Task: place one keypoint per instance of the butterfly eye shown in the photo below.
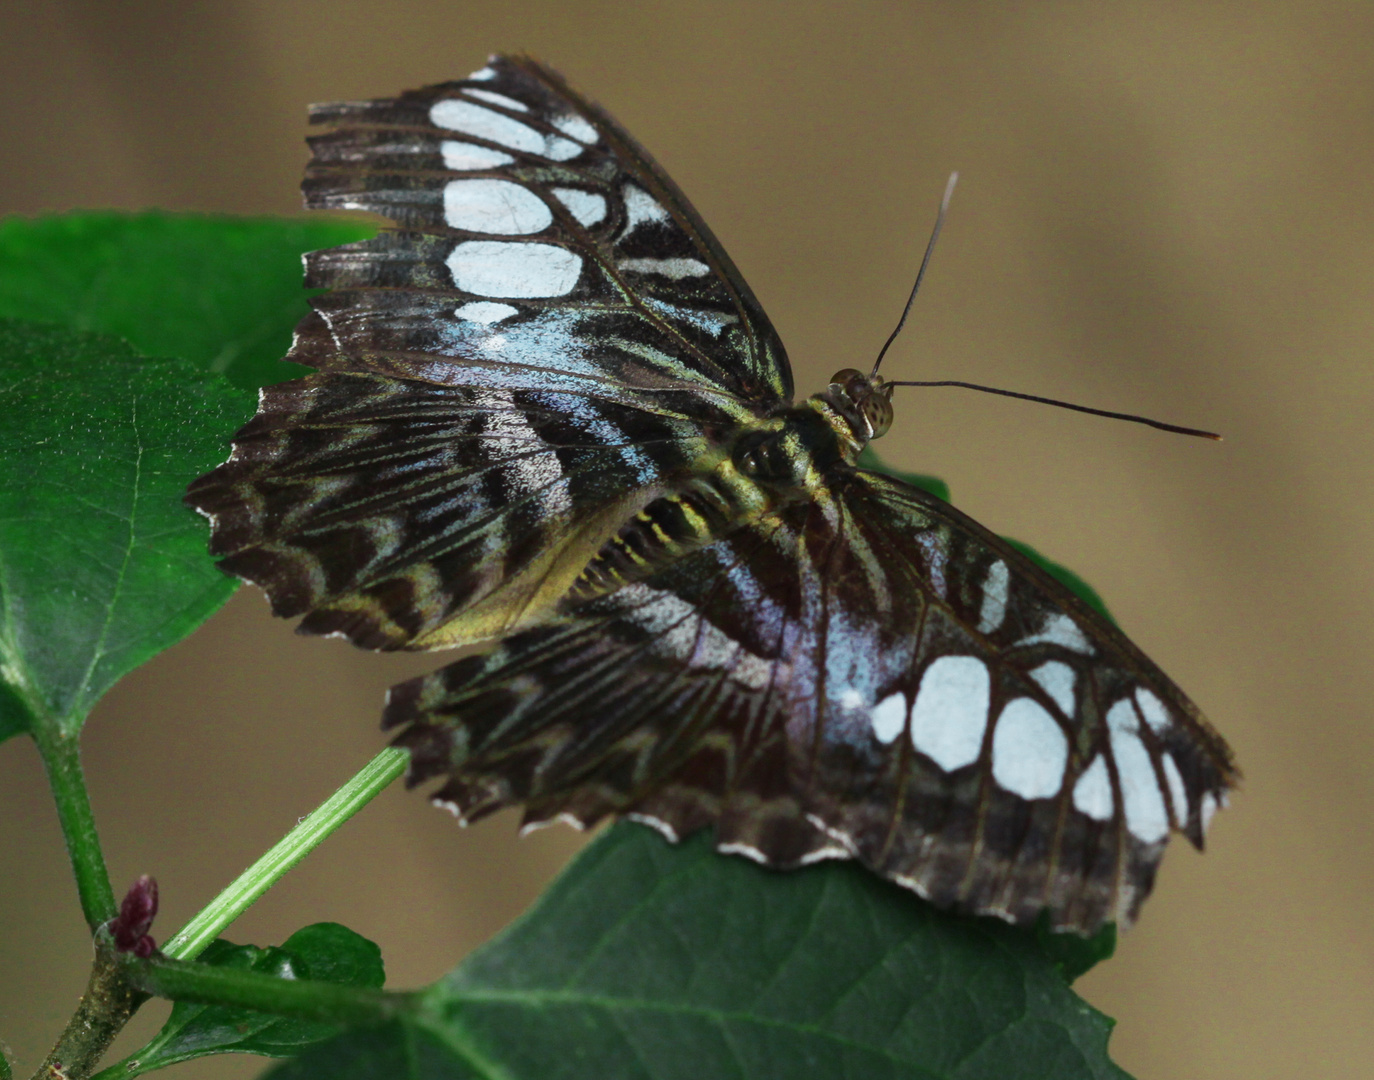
(877, 407)
(859, 396)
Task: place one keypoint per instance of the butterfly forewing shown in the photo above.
(533, 206)
(548, 410)
(537, 352)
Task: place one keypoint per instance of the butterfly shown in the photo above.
(548, 413)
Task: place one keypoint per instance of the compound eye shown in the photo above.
(878, 412)
(845, 376)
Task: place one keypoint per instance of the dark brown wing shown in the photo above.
(870, 675)
(549, 338)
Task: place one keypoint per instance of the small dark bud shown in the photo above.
(136, 913)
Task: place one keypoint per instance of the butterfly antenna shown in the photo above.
(1159, 424)
(930, 247)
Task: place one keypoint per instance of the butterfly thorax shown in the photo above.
(783, 458)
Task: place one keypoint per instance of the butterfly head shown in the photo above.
(863, 402)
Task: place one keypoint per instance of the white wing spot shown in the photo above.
(1146, 815)
(586, 206)
(674, 269)
(1060, 629)
(1092, 795)
(494, 206)
(1121, 717)
(481, 123)
(1056, 678)
(1178, 791)
(498, 99)
(1207, 808)
(519, 271)
(889, 717)
(1156, 715)
(950, 714)
(482, 75)
(575, 127)
(640, 207)
(464, 156)
(485, 312)
(560, 149)
(1029, 750)
(994, 608)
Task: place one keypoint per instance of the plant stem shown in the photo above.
(308, 999)
(369, 782)
(61, 753)
(116, 991)
(106, 1006)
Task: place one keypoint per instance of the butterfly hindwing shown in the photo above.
(381, 507)
(538, 350)
(1034, 756)
(869, 675)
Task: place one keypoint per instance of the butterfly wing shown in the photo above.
(548, 339)
(871, 675)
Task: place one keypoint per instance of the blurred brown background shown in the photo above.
(1165, 208)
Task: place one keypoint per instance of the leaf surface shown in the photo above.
(325, 951)
(650, 961)
(101, 566)
(222, 291)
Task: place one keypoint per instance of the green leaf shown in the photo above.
(651, 961)
(325, 951)
(101, 566)
(1074, 955)
(14, 713)
(224, 292)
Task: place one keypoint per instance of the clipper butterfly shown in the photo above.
(548, 413)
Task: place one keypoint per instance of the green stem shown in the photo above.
(61, 753)
(374, 777)
(308, 999)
